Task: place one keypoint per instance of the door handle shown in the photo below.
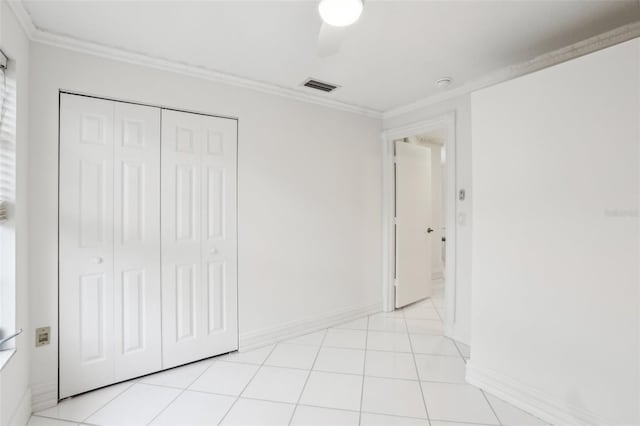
(96, 260)
(429, 230)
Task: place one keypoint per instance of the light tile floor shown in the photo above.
(388, 369)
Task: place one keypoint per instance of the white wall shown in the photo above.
(15, 400)
(555, 239)
(461, 106)
(309, 195)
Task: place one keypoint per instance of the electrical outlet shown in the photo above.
(43, 336)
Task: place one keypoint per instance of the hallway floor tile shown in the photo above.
(386, 369)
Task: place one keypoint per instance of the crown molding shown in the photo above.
(592, 44)
(70, 43)
(23, 17)
(581, 48)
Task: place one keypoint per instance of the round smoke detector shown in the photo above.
(444, 82)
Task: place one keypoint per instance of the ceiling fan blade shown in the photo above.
(330, 39)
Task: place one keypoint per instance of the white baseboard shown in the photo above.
(43, 396)
(457, 333)
(270, 335)
(448, 330)
(23, 411)
(547, 407)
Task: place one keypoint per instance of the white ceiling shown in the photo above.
(390, 57)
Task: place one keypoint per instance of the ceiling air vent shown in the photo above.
(319, 85)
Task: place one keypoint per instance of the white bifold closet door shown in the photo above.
(148, 244)
(109, 294)
(199, 242)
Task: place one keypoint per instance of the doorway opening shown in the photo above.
(419, 211)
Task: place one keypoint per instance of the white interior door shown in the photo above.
(109, 242)
(413, 223)
(199, 241)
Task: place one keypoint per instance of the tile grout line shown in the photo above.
(437, 311)
(256, 399)
(245, 386)
(180, 393)
(315, 359)
(59, 420)
(364, 370)
(404, 379)
(415, 364)
(282, 403)
(491, 406)
(131, 382)
(302, 405)
(455, 343)
(373, 350)
(460, 422)
(458, 351)
(286, 403)
(319, 348)
(106, 403)
(457, 346)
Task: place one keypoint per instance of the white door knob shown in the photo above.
(213, 251)
(96, 260)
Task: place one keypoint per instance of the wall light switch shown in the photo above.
(43, 336)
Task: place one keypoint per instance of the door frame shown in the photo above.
(447, 121)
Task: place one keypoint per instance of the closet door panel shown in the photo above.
(219, 236)
(181, 259)
(109, 242)
(198, 237)
(137, 241)
(86, 196)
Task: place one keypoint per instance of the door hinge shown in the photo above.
(395, 220)
(395, 282)
(395, 159)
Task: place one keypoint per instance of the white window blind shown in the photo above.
(7, 202)
(7, 138)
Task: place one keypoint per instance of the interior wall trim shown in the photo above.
(547, 407)
(584, 47)
(581, 48)
(23, 411)
(448, 122)
(70, 43)
(270, 335)
(43, 396)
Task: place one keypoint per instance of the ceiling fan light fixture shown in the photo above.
(340, 13)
